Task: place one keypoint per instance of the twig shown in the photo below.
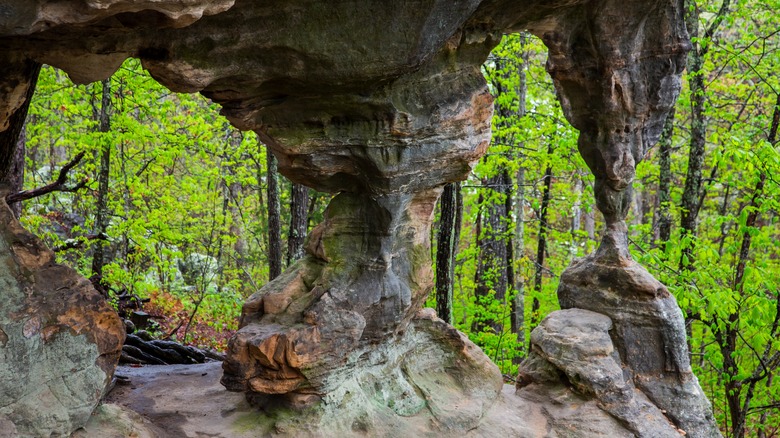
(56, 186)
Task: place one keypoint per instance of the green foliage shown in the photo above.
(186, 190)
(739, 68)
(530, 142)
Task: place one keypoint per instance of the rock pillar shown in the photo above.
(618, 74)
(344, 328)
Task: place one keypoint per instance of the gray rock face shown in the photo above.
(572, 348)
(344, 327)
(648, 333)
(383, 102)
(59, 340)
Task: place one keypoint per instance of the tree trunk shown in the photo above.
(576, 214)
(101, 213)
(665, 179)
(517, 316)
(16, 172)
(541, 246)
(737, 409)
(13, 141)
(692, 191)
(491, 275)
(693, 178)
(446, 249)
(274, 219)
(518, 253)
(298, 222)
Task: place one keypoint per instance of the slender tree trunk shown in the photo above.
(491, 272)
(576, 214)
(665, 179)
(262, 210)
(693, 178)
(541, 246)
(274, 219)
(737, 409)
(298, 222)
(692, 192)
(457, 228)
(16, 172)
(13, 140)
(590, 224)
(446, 248)
(101, 213)
(761, 433)
(638, 209)
(518, 303)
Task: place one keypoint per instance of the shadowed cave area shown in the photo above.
(381, 103)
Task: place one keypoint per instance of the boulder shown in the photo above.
(59, 340)
(648, 334)
(574, 362)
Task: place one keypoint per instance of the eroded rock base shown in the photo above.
(430, 371)
(341, 337)
(648, 334)
(618, 346)
(573, 362)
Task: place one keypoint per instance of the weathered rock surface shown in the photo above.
(572, 355)
(617, 88)
(188, 401)
(24, 18)
(648, 333)
(59, 340)
(349, 304)
(383, 102)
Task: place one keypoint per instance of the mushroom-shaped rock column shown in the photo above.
(345, 325)
(618, 74)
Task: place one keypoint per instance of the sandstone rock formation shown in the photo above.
(383, 103)
(616, 89)
(59, 340)
(190, 402)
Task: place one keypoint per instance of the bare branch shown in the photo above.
(56, 186)
(79, 241)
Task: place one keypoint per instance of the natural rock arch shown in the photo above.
(383, 103)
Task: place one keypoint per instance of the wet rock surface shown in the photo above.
(59, 340)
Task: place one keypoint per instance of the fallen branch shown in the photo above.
(79, 242)
(56, 186)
